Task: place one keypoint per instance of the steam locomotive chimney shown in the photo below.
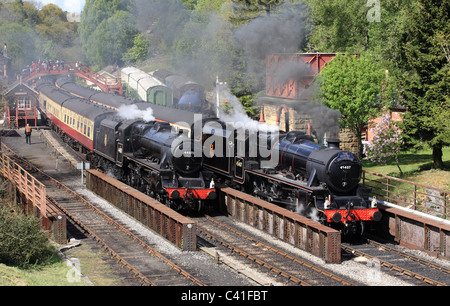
(333, 143)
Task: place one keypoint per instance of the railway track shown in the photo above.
(145, 263)
(399, 263)
(285, 268)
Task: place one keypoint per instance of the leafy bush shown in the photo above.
(23, 243)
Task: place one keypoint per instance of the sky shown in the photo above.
(71, 6)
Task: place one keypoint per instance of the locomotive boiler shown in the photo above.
(339, 171)
(165, 147)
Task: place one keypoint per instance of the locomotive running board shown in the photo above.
(287, 181)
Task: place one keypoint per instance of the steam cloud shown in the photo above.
(281, 31)
(129, 112)
(325, 121)
(237, 114)
(275, 33)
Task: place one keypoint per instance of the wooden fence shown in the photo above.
(33, 190)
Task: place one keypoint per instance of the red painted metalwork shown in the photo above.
(359, 214)
(82, 139)
(82, 72)
(194, 193)
(33, 198)
(261, 116)
(290, 75)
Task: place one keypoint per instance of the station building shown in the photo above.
(20, 105)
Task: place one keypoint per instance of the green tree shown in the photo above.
(352, 85)
(22, 44)
(189, 4)
(385, 37)
(32, 34)
(139, 51)
(110, 40)
(54, 25)
(427, 77)
(247, 10)
(95, 14)
(338, 25)
(210, 5)
(22, 241)
(359, 26)
(25, 12)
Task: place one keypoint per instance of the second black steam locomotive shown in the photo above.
(293, 171)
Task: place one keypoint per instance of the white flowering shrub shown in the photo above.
(386, 143)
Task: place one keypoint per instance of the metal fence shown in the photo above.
(427, 199)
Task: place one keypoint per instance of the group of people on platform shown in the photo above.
(48, 65)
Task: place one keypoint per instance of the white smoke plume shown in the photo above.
(129, 112)
(235, 113)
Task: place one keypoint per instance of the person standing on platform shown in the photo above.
(28, 133)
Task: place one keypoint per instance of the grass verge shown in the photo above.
(417, 167)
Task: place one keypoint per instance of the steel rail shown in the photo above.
(253, 258)
(282, 253)
(113, 253)
(393, 267)
(409, 256)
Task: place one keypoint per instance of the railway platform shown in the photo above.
(39, 151)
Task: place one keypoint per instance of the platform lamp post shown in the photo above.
(83, 166)
(218, 87)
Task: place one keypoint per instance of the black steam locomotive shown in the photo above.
(293, 171)
(146, 155)
(153, 159)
